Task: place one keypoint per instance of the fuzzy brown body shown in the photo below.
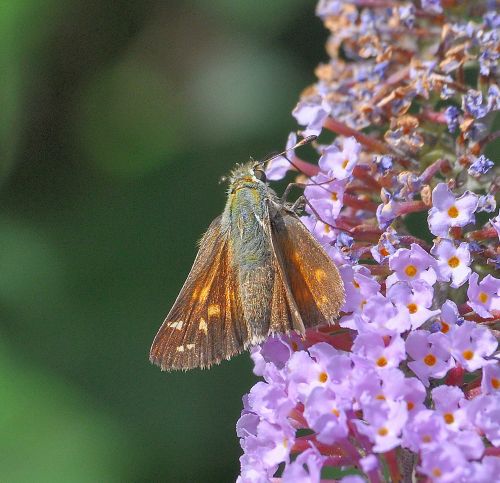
(258, 271)
(244, 219)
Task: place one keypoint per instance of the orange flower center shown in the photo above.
(448, 418)
(344, 164)
(410, 405)
(381, 361)
(436, 472)
(453, 211)
(411, 270)
(430, 359)
(444, 327)
(336, 412)
(483, 297)
(383, 431)
(468, 354)
(323, 377)
(334, 196)
(412, 308)
(426, 438)
(453, 262)
(383, 251)
(495, 383)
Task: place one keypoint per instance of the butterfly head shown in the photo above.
(248, 175)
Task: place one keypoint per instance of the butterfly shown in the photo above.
(258, 272)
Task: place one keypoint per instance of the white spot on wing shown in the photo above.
(176, 324)
(180, 348)
(203, 326)
(190, 346)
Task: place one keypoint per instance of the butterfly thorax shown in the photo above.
(246, 216)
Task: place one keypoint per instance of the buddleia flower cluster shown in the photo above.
(406, 385)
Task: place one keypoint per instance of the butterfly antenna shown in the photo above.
(302, 142)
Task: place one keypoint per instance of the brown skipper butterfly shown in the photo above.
(258, 272)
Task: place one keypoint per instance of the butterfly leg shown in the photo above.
(289, 188)
(300, 185)
(299, 203)
(303, 200)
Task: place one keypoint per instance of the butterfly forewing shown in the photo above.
(205, 324)
(313, 278)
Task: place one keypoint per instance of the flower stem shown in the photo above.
(370, 143)
(393, 466)
(483, 234)
(431, 170)
(304, 167)
(359, 203)
(405, 207)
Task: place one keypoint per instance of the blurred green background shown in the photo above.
(118, 119)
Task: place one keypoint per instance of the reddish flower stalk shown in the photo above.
(433, 169)
(301, 444)
(360, 172)
(433, 116)
(378, 270)
(405, 207)
(334, 461)
(488, 139)
(472, 387)
(370, 143)
(339, 341)
(363, 441)
(455, 376)
(474, 392)
(391, 81)
(464, 309)
(476, 318)
(296, 415)
(492, 451)
(345, 223)
(343, 449)
(366, 233)
(360, 204)
(409, 239)
(304, 167)
(459, 86)
(358, 188)
(483, 234)
(392, 465)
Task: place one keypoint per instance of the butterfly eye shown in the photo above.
(260, 174)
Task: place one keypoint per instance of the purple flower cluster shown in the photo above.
(378, 395)
(407, 381)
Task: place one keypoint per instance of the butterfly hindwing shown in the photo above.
(205, 325)
(314, 280)
(284, 312)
